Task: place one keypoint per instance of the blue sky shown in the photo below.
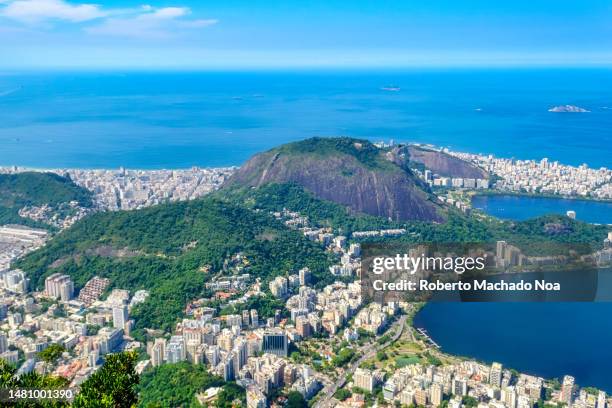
(188, 34)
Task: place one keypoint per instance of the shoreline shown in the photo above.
(23, 169)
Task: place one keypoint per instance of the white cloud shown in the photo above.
(150, 23)
(167, 12)
(143, 22)
(32, 11)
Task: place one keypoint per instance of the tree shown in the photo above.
(342, 394)
(380, 398)
(31, 380)
(112, 386)
(296, 400)
(343, 357)
(175, 385)
(51, 353)
(229, 393)
(381, 355)
(469, 401)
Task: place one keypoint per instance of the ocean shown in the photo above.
(182, 119)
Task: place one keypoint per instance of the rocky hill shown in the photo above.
(444, 164)
(351, 172)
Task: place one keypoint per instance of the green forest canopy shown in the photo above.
(36, 189)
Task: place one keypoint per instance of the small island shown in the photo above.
(568, 108)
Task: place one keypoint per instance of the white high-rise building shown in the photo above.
(175, 351)
(120, 316)
(436, 395)
(459, 387)
(59, 286)
(567, 390)
(601, 400)
(304, 274)
(364, 379)
(16, 281)
(240, 354)
(3, 343)
(255, 398)
(158, 352)
(509, 397)
(279, 287)
(495, 375)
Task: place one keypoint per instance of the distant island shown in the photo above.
(568, 108)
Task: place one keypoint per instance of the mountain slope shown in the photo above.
(36, 189)
(351, 172)
(172, 250)
(444, 164)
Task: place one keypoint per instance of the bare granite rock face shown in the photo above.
(445, 164)
(346, 171)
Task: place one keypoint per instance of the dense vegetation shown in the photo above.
(51, 353)
(114, 385)
(296, 400)
(344, 356)
(231, 395)
(33, 380)
(276, 197)
(363, 150)
(167, 250)
(537, 235)
(175, 385)
(36, 189)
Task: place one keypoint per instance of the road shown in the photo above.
(328, 393)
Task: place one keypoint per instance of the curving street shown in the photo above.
(367, 352)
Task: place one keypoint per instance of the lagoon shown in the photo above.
(516, 207)
(543, 339)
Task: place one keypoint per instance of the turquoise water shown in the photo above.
(157, 120)
(513, 207)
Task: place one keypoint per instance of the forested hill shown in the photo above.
(171, 250)
(36, 189)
